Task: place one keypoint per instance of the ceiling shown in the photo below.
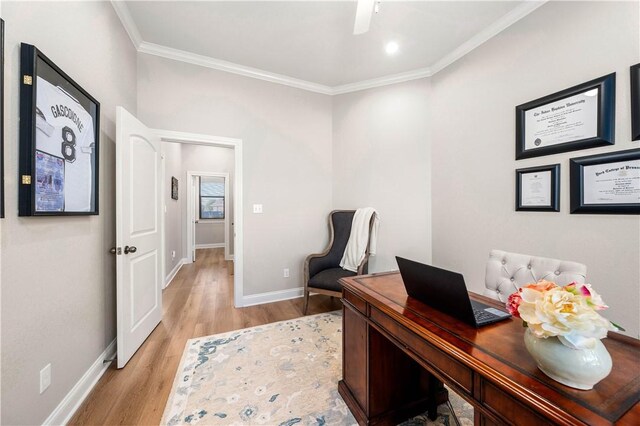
(312, 43)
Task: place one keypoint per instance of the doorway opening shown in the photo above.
(232, 211)
(209, 218)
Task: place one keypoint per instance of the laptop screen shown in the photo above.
(441, 289)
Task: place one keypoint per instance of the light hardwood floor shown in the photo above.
(198, 302)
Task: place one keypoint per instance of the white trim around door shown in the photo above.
(237, 235)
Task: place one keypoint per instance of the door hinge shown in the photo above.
(28, 80)
(26, 179)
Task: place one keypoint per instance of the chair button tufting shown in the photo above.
(557, 272)
(512, 279)
(528, 266)
(504, 262)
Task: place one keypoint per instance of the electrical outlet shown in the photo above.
(257, 208)
(173, 254)
(286, 272)
(45, 378)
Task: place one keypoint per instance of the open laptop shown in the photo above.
(445, 291)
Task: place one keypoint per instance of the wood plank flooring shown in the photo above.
(198, 302)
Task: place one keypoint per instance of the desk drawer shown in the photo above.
(511, 410)
(356, 301)
(457, 372)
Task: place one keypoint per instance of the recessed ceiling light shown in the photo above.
(391, 47)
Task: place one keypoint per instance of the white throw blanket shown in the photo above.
(357, 245)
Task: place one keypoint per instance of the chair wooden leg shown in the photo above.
(306, 301)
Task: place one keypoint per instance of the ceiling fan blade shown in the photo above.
(363, 16)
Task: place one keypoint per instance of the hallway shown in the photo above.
(198, 302)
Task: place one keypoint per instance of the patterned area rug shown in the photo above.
(285, 373)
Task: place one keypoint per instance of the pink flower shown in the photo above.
(593, 299)
(513, 302)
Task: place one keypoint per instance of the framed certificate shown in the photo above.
(538, 189)
(59, 141)
(606, 183)
(635, 102)
(580, 117)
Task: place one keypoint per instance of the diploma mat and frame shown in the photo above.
(59, 141)
(538, 189)
(606, 183)
(579, 117)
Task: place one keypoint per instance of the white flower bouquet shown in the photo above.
(568, 312)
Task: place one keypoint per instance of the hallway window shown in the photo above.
(211, 198)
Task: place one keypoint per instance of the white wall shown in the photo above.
(58, 279)
(286, 136)
(558, 46)
(176, 213)
(209, 232)
(381, 159)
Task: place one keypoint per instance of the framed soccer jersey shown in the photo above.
(59, 141)
(1, 118)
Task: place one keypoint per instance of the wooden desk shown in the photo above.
(397, 351)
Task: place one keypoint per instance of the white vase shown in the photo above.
(577, 368)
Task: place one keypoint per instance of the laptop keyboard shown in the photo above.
(482, 315)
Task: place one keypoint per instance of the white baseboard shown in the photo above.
(174, 272)
(272, 296)
(204, 246)
(68, 406)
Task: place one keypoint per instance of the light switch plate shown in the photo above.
(257, 208)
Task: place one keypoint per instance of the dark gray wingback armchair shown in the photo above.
(322, 271)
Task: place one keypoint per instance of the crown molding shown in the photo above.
(489, 32)
(217, 64)
(382, 81)
(127, 22)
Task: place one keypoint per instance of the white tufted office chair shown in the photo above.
(506, 272)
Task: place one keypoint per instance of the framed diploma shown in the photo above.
(59, 141)
(635, 102)
(606, 183)
(579, 117)
(538, 189)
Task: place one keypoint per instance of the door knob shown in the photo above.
(131, 249)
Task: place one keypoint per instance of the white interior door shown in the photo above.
(138, 234)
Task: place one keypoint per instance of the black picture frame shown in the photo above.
(635, 102)
(605, 134)
(174, 188)
(554, 189)
(577, 182)
(1, 118)
(59, 141)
